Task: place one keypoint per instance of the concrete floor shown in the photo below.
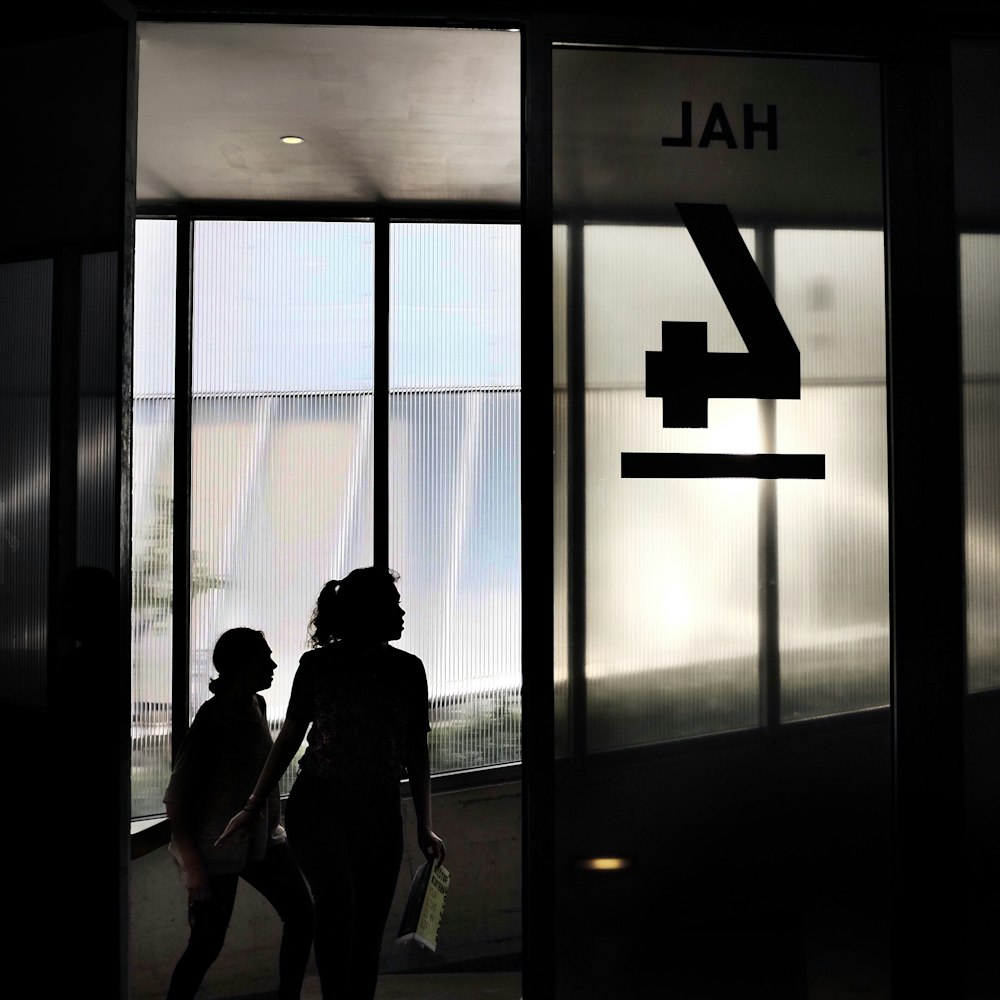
(438, 986)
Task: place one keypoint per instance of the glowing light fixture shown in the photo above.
(292, 140)
(604, 864)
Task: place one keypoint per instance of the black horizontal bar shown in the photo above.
(695, 465)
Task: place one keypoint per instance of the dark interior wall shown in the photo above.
(64, 74)
(64, 113)
(982, 860)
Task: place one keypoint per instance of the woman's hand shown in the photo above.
(237, 826)
(196, 882)
(431, 845)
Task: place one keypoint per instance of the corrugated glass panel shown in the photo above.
(454, 478)
(661, 660)
(153, 362)
(25, 456)
(975, 81)
(97, 447)
(560, 494)
(980, 291)
(281, 478)
(833, 534)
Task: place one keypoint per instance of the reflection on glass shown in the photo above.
(454, 479)
(97, 448)
(25, 456)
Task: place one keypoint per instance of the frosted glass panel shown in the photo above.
(684, 147)
(663, 556)
(25, 456)
(454, 480)
(152, 510)
(833, 534)
(980, 290)
(281, 469)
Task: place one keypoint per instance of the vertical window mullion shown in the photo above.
(180, 697)
(380, 396)
(576, 478)
(769, 651)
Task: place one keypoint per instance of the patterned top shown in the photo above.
(364, 704)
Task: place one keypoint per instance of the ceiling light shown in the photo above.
(292, 140)
(604, 864)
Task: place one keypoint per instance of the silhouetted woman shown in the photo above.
(215, 771)
(364, 704)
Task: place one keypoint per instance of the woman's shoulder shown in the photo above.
(208, 711)
(405, 660)
(312, 658)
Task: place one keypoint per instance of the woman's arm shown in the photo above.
(288, 741)
(418, 767)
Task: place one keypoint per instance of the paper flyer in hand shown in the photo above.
(425, 905)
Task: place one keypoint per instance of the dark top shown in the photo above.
(364, 705)
(215, 772)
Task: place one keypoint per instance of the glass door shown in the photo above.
(721, 523)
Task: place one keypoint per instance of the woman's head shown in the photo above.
(364, 605)
(242, 657)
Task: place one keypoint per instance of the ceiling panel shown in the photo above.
(388, 114)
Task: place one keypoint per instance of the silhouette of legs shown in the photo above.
(209, 921)
(349, 849)
(279, 881)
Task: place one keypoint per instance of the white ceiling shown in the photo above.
(389, 114)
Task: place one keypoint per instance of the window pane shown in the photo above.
(454, 479)
(663, 555)
(152, 510)
(281, 497)
(833, 534)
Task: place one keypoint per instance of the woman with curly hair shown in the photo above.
(364, 705)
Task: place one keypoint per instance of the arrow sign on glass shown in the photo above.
(685, 374)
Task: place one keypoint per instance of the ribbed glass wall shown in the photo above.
(152, 510)
(25, 396)
(979, 256)
(560, 494)
(833, 534)
(454, 479)
(281, 468)
(672, 633)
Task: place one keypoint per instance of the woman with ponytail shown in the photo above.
(216, 767)
(364, 705)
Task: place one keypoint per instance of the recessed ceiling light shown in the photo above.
(292, 140)
(604, 864)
